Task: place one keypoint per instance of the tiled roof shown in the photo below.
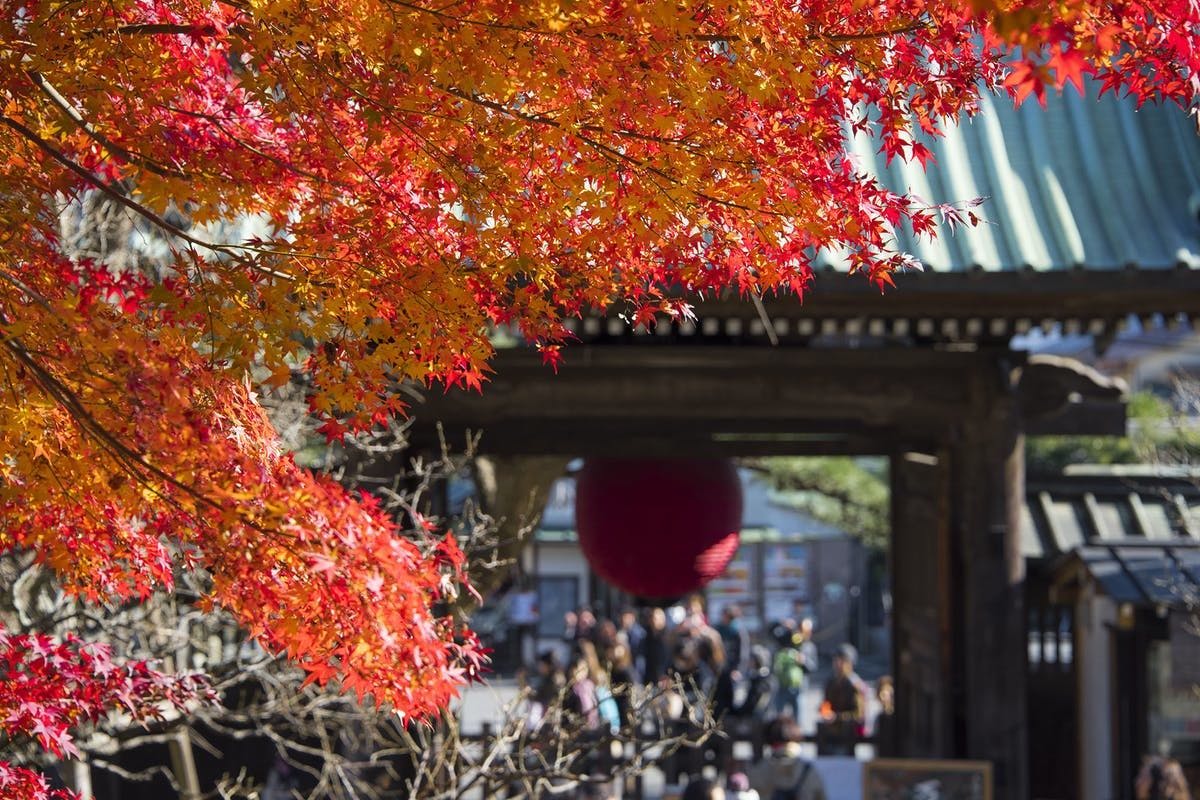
(1086, 183)
(1109, 507)
(1164, 575)
(1133, 531)
(1092, 215)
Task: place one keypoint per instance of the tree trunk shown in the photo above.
(513, 491)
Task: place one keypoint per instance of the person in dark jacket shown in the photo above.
(699, 788)
(758, 685)
(631, 631)
(623, 676)
(734, 636)
(719, 676)
(723, 692)
(885, 722)
(547, 691)
(656, 647)
(845, 705)
(786, 774)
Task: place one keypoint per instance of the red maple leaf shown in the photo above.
(1027, 78)
(923, 154)
(1069, 66)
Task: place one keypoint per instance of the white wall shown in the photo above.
(566, 558)
(1094, 665)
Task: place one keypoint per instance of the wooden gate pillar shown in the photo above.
(921, 603)
(988, 483)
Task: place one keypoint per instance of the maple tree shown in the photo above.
(407, 175)
(49, 687)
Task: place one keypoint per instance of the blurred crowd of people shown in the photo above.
(753, 689)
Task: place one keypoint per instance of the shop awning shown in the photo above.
(1144, 574)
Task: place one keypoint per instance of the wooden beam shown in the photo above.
(1059, 295)
(616, 439)
(721, 400)
(708, 397)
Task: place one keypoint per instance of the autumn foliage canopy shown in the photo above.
(405, 175)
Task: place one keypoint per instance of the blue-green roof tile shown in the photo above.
(1087, 182)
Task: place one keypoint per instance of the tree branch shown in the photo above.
(80, 122)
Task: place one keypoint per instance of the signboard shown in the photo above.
(785, 580)
(735, 586)
(919, 779)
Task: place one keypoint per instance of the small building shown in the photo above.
(1113, 556)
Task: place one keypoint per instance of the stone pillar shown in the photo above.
(988, 490)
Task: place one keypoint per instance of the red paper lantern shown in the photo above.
(658, 528)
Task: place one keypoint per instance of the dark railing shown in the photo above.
(717, 751)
